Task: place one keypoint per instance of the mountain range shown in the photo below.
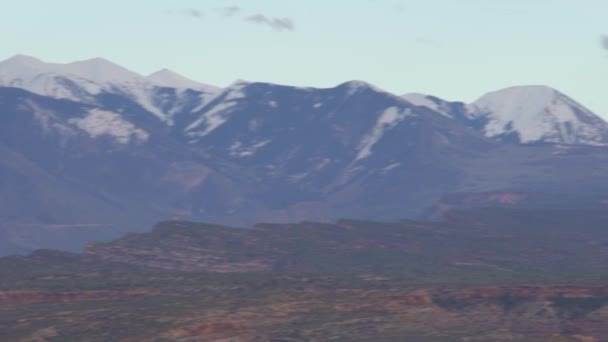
(90, 150)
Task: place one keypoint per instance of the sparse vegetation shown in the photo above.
(351, 281)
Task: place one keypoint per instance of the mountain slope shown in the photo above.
(85, 81)
(531, 114)
(524, 115)
(357, 151)
(42, 210)
(170, 79)
(311, 149)
(88, 165)
(264, 152)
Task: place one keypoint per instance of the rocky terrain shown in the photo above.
(311, 308)
(486, 275)
(507, 243)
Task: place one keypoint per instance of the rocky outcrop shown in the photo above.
(18, 297)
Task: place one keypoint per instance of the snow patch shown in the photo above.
(423, 100)
(99, 122)
(237, 149)
(322, 164)
(218, 115)
(390, 167)
(420, 100)
(298, 177)
(386, 121)
(254, 125)
(210, 120)
(353, 87)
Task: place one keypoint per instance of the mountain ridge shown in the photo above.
(524, 115)
(85, 81)
(519, 114)
(258, 151)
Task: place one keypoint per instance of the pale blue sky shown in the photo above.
(455, 49)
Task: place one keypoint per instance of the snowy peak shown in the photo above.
(97, 70)
(100, 70)
(518, 101)
(523, 115)
(418, 99)
(21, 60)
(171, 79)
(431, 102)
(83, 81)
(529, 114)
(22, 67)
(354, 87)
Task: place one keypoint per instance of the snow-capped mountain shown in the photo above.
(524, 115)
(171, 79)
(85, 81)
(92, 142)
(530, 114)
